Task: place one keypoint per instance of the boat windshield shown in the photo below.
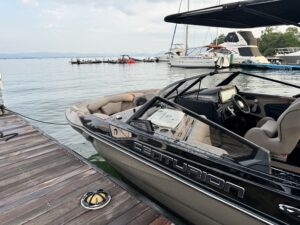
(246, 82)
(192, 84)
(176, 88)
(249, 51)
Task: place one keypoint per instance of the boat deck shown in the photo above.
(42, 181)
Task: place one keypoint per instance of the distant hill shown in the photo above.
(44, 55)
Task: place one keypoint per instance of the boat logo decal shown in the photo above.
(189, 170)
(117, 132)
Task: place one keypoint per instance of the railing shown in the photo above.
(285, 51)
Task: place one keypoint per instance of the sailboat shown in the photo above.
(175, 50)
(210, 56)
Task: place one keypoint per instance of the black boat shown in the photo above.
(216, 154)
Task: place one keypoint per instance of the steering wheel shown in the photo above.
(240, 103)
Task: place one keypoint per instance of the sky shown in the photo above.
(96, 26)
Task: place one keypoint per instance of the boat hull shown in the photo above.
(195, 205)
(270, 66)
(293, 60)
(192, 62)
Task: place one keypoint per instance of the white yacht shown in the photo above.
(290, 55)
(209, 56)
(176, 50)
(243, 46)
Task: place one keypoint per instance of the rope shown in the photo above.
(40, 121)
(8, 136)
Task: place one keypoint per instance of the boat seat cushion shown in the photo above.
(270, 128)
(200, 133)
(100, 103)
(279, 137)
(262, 121)
(111, 108)
(200, 136)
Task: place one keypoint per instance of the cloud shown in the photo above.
(30, 2)
(104, 26)
(50, 26)
(58, 14)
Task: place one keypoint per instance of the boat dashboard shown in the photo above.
(222, 105)
(215, 103)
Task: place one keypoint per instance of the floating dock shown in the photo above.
(42, 182)
(122, 60)
(269, 66)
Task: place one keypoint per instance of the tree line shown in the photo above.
(271, 39)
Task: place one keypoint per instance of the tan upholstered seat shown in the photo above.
(279, 137)
(112, 104)
(200, 135)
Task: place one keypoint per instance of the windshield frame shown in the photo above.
(174, 87)
(139, 113)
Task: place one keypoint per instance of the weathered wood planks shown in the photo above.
(41, 182)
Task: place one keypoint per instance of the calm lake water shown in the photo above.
(44, 88)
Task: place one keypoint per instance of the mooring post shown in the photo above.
(2, 110)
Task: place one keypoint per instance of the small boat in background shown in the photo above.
(246, 54)
(243, 46)
(126, 59)
(176, 50)
(290, 55)
(86, 61)
(210, 56)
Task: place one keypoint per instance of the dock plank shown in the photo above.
(21, 188)
(29, 163)
(38, 144)
(130, 215)
(145, 218)
(27, 155)
(21, 174)
(53, 195)
(161, 221)
(41, 182)
(60, 209)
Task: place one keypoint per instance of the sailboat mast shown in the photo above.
(187, 30)
(175, 29)
(218, 28)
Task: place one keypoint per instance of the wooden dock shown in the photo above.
(42, 182)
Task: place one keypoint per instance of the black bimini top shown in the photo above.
(243, 14)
